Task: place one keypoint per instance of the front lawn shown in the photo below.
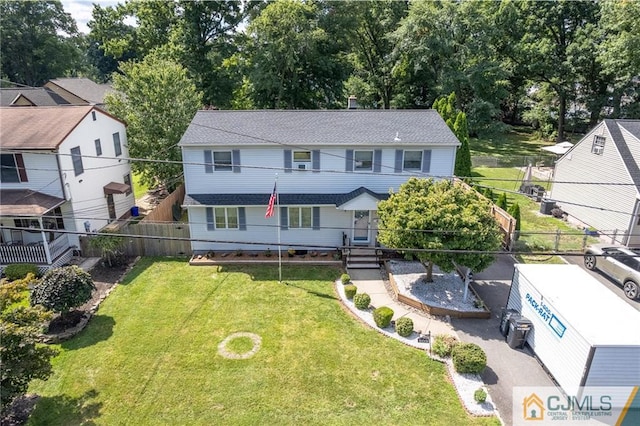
(150, 356)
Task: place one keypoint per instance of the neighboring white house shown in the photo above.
(598, 180)
(63, 168)
(333, 167)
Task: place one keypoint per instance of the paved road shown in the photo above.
(611, 285)
(506, 367)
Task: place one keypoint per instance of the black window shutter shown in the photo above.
(242, 219)
(315, 217)
(288, 159)
(315, 160)
(208, 161)
(210, 223)
(426, 160)
(22, 172)
(284, 218)
(348, 166)
(236, 160)
(377, 161)
(398, 164)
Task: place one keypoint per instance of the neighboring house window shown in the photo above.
(127, 181)
(93, 115)
(363, 160)
(98, 147)
(226, 217)
(26, 223)
(116, 144)
(222, 161)
(12, 168)
(598, 145)
(302, 159)
(53, 219)
(412, 160)
(78, 169)
(300, 217)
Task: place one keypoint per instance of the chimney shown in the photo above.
(352, 102)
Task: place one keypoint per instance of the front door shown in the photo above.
(361, 226)
(111, 206)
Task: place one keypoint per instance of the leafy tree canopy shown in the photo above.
(157, 100)
(62, 289)
(439, 216)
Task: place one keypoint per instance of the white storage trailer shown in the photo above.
(582, 332)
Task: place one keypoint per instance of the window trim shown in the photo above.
(304, 160)
(15, 169)
(76, 159)
(127, 181)
(300, 217)
(226, 218)
(404, 160)
(597, 146)
(222, 167)
(356, 168)
(117, 144)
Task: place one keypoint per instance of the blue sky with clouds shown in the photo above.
(80, 10)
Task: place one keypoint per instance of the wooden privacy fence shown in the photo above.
(164, 211)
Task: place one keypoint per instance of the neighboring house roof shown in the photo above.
(285, 199)
(41, 127)
(319, 127)
(633, 127)
(83, 88)
(37, 96)
(26, 202)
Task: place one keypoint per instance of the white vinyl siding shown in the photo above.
(615, 364)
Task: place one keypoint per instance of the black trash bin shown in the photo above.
(519, 328)
(504, 320)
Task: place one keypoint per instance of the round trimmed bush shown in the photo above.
(62, 289)
(350, 290)
(18, 271)
(404, 326)
(382, 316)
(443, 344)
(362, 300)
(469, 358)
(345, 278)
(480, 395)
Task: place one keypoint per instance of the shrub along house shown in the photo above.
(598, 180)
(64, 168)
(333, 167)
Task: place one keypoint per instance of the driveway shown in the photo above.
(506, 367)
(611, 285)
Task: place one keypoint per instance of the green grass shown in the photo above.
(139, 189)
(537, 232)
(516, 142)
(150, 356)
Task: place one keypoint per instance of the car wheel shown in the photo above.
(630, 289)
(590, 262)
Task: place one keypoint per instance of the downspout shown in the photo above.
(632, 224)
(60, 174)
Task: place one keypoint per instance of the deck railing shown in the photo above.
(33, 253)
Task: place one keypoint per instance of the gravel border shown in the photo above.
(464, 384)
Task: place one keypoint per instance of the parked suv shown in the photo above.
(622, 264)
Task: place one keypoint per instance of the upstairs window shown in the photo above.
(598, 145)
(412, 160)
(116, 144)
(98, 147)
(302, 160)
(363, 160)
(127, 181)
(12, 168)
(76, 157)
(222, 161)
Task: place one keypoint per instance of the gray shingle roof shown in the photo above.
(632, 126)
(37, 95)
(318, 127)
(285, 199)
(84, 88)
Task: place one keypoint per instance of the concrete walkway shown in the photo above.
(369, 281)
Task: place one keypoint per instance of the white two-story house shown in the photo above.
(65, 171)
(332, 166)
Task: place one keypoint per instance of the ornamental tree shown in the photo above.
(439, 222)
(62, 289)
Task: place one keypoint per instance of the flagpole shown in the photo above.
(278, 225)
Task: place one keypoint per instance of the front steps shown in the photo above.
(362, 258)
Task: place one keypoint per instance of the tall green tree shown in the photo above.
(157, 100)
(457, 122)
(293, 63)
(452, 224)
(39, 42)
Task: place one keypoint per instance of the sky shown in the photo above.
(80, 10)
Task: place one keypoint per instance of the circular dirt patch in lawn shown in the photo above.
(64, 322)
(241, 345)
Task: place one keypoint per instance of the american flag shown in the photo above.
(272, 202)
